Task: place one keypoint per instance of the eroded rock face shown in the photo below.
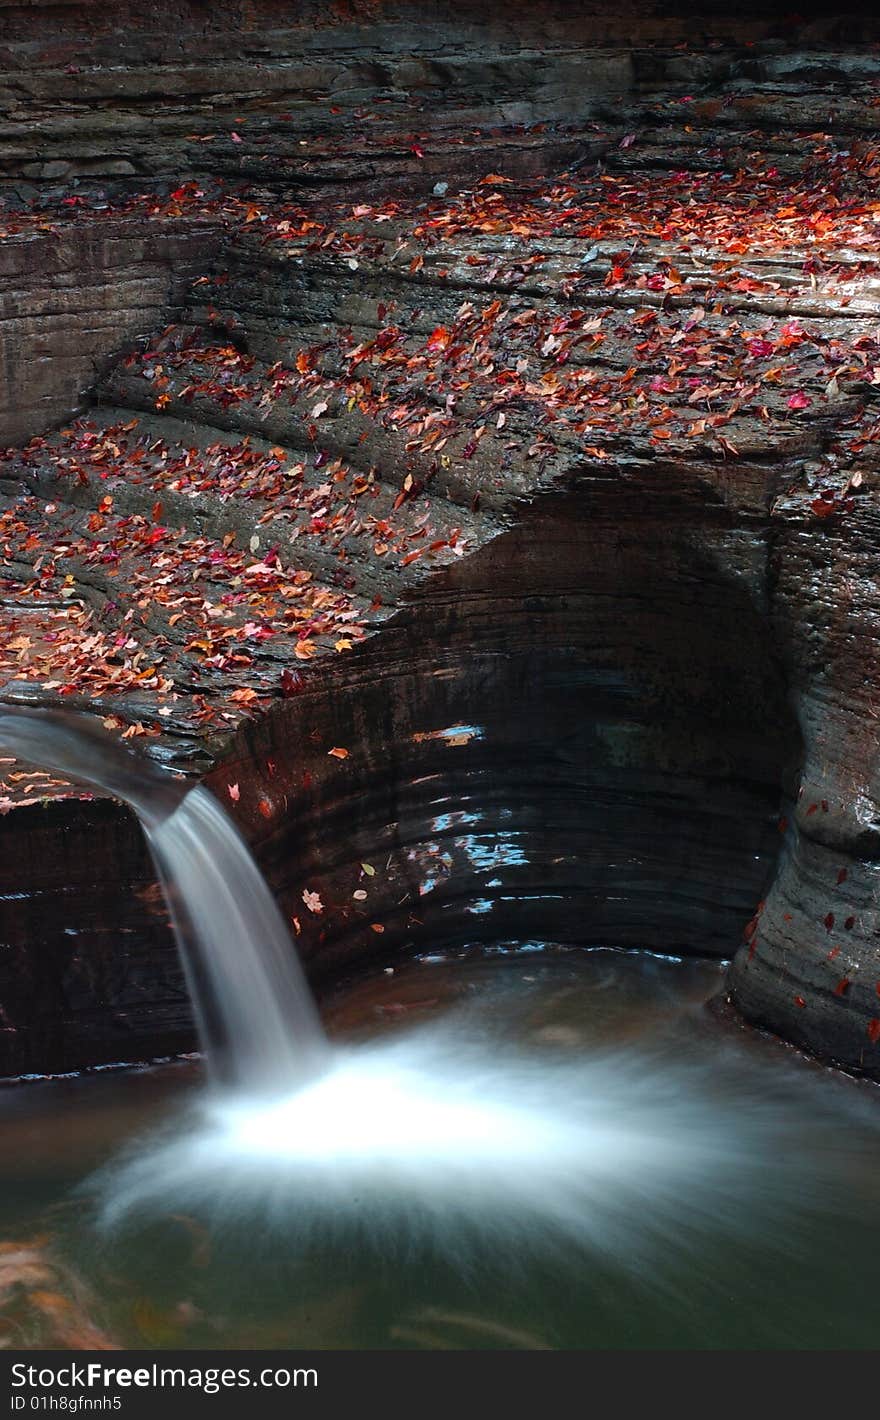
(811, 968)
(361, 95)
(69, 300)
(88, 969)
(597, 760)
(503, 556)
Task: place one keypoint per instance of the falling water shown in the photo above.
(253, 1006)
(452, 1136)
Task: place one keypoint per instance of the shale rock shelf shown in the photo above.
(494, 526)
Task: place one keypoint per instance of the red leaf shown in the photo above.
(829, 921)
(291, 683)
(799, 1001)
(439, 338)
(874, 1030)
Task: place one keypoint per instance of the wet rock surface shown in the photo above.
(503, 554)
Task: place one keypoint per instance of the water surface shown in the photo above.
(550, 1149)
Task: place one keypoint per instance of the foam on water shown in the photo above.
(444, 1140)
(448, 1137)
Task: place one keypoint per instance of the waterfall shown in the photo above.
(449, 1136)
(254, 1010)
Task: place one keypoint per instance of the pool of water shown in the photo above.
(588, 1158)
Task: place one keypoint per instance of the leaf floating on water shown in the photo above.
(313, 901)
(338, 753)
(234, 793)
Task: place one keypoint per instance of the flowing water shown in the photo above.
(738, 1204)
(537, 1147)
(253, 1006)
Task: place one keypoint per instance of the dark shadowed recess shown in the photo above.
(580, 735)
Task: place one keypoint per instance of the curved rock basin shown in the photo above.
(716, 1232)
(581, 733)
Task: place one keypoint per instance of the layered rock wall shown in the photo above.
(810, 968)
(506, 561)
(378, 95)
(69, 300)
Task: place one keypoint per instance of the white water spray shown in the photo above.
(444, 1136)
(447, 1141)
(255, 1010)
